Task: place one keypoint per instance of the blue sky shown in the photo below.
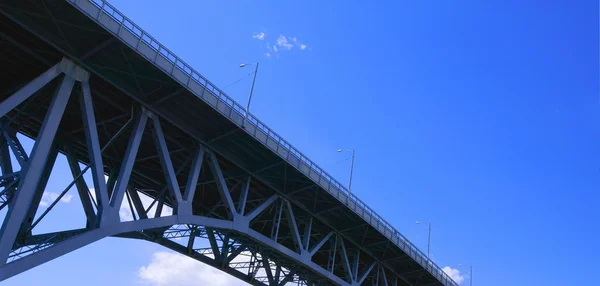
(479, 116)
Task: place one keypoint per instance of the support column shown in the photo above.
(167, 164)
(345, 260)
(222, 185)
(192, 181)
(294, 228)
(355, 264)
(94, 152)
(127, 166)
(244, 196)
(332, 253)
(307, 234)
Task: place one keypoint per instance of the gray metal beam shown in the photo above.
(192, 181)
(224, 250)
(127, 165)
(34, 171)
(267, 267)
(255, 212)
(27, 224)
(355, 264)
(221, 185)
(213, 243)
(361, 278)
(293, 227)
(383, 276)
(94, 152)
(244, 196)
(320, 244)
(111, 182)
(307, 234)
(191, 240)
(166, 163)
(345, 260)
(137, 203)
(28, 90)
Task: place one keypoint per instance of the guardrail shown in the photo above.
(131, 34)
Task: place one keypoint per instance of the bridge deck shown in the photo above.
(130, 68)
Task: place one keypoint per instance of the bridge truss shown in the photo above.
(235, 226)
(232, 202)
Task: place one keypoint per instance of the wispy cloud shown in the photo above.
(282, 43)
(259, 36)
(50, 197)
(454, 274)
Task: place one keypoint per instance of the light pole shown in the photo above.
(251, 90)
(428, 236)
(470, 273)
(351, 168)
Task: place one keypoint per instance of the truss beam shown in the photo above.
(287, 255)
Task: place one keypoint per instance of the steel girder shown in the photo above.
(261, 238)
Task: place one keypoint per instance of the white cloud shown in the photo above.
(50, 197)
(454, 274)
(283, 42)
(167, 268)
(259, 36)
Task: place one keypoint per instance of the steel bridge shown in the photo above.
(82, 80)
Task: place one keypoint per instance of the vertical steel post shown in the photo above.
(351, 171)
(94, 151)
(471, 275)
(127, 165)
(429, 240)
(250, 96)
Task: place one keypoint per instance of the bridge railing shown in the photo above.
(145, 44)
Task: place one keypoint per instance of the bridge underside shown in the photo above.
(77, 90)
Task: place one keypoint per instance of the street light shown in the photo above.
(428, 236)
(251, 90)
(351, 167)
(470, 273)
